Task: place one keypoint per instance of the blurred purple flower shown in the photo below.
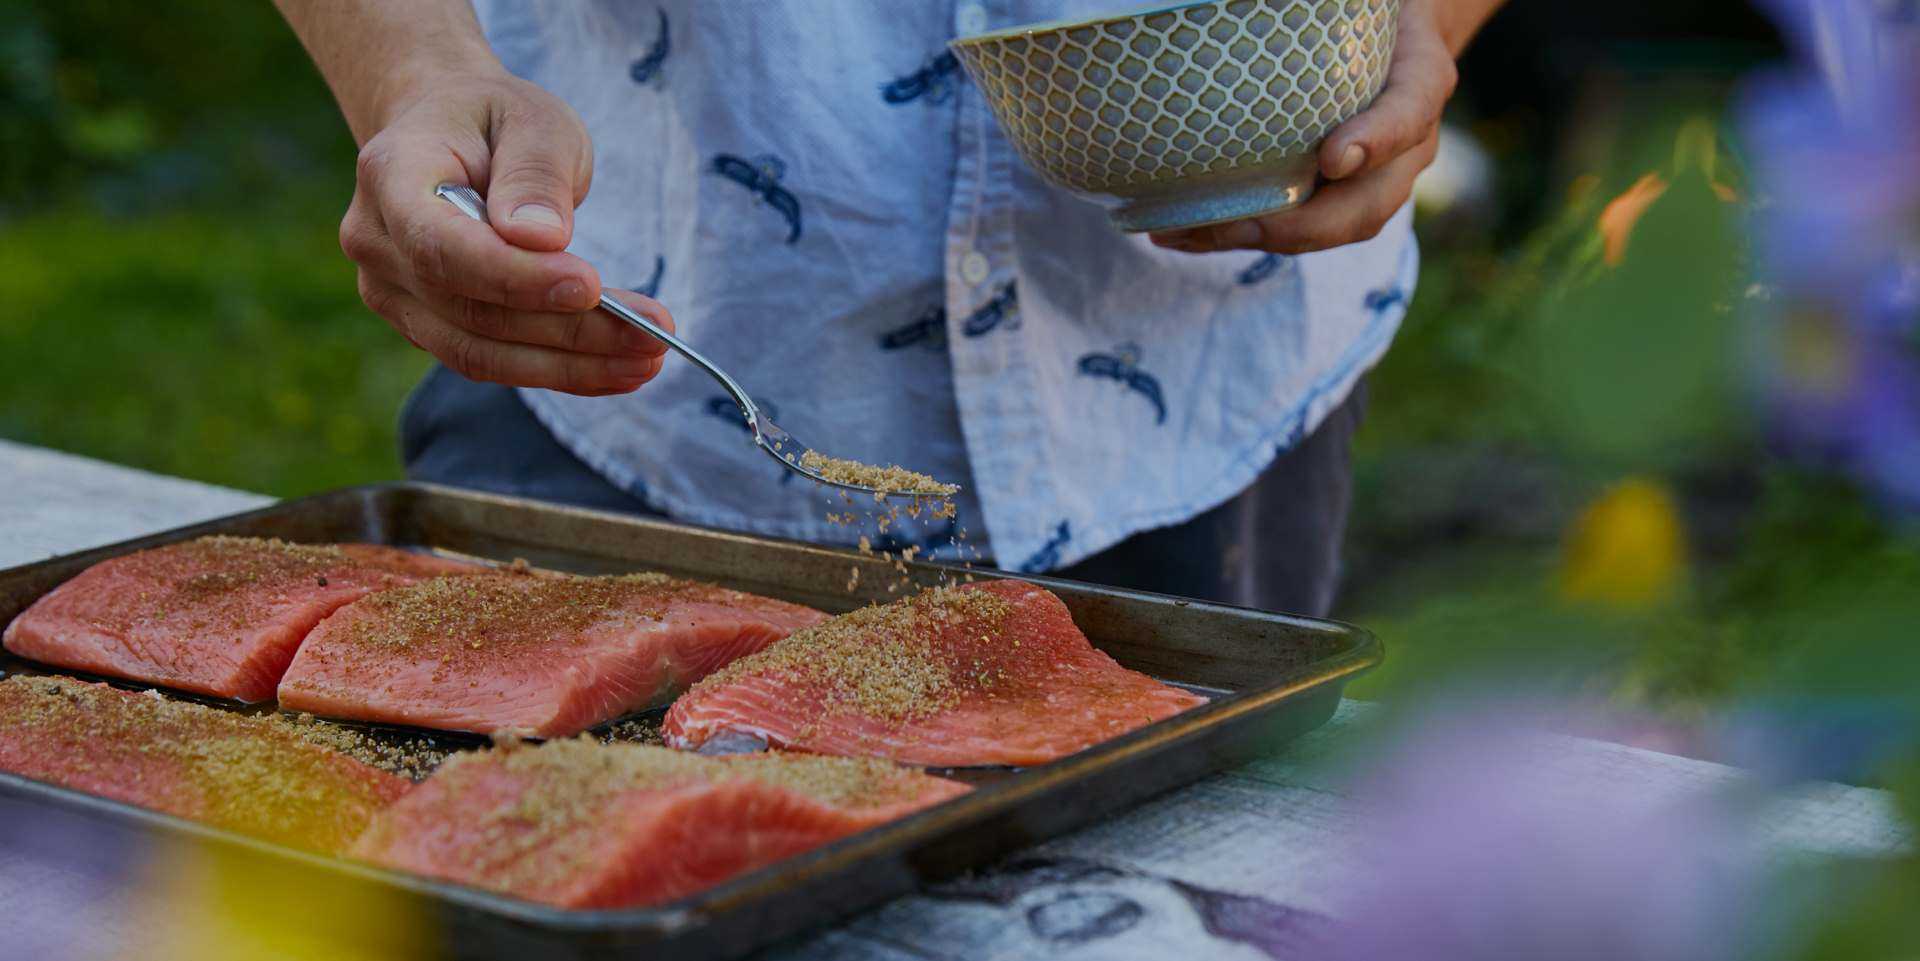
(1834, 146)
(1484, 843)
(65, 878)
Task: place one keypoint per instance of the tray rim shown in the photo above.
(986, 801)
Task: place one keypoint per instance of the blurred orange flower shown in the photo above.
(1623, 212)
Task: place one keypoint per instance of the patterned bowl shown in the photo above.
(1185, 115)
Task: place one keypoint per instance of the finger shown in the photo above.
(443, 249)
(1340, 212)
(1344, 211)
(505, 362)
(580, 332)
(542, 164)
(1419, 83)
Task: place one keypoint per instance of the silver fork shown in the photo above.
(767, 435)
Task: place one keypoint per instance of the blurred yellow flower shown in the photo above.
(212, 904)
(1627, 549)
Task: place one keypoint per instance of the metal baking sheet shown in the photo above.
(1272, 677)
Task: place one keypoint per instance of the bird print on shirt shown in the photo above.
(993, 313)
(1048, 556)
(762, 176)
(1381, 301)
(894, 542)
(652, 287)
(1123, 367)
(648, 67)
(934, 81)
(928, 330)
(1261, 269)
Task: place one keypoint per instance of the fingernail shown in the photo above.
(539, 215)
(569, 295)
(1171, 238)
(1351, 159)
(1240, 233)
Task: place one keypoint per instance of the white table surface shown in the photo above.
(1163, 881)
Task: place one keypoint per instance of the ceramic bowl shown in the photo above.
(1185, 115)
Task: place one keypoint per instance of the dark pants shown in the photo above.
(1275, 546)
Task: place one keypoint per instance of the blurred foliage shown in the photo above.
(144, 106)
(175, 298)
(230, 349)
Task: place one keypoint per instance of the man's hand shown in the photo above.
(1368, 163)
(503, 302)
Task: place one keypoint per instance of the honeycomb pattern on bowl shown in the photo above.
(1206, 88)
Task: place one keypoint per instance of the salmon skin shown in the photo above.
(986, 674)
(535, 655)
(580, 824)
(217, 615)
(244, 773)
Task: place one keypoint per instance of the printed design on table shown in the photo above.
(929, 330)
(723, 407)
(934, 81)
(1123, 367)
(652, 287)
(648, 67)
(1385, 299)
(1259, 270)
(762, 176)
(994, 312)
(1093, 900)
(1048, 556)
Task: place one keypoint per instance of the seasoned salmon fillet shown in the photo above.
(244, 773)
(580, 824)
(533, 655)
(217, 615)
(985, 674)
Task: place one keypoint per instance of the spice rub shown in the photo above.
(578, 823)
(216, 615)
(535, 655)
(890, 480)
(989, 673)
(255, 775)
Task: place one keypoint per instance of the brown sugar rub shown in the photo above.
(545, 655)
(890, 480)
(582, 824)
(994, 673)
(216, 615)
(255, 775)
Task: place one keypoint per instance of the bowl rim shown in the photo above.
(1058, 26)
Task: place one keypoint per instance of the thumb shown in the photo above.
(540, 171)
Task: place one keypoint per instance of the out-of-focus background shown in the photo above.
(1616, 450)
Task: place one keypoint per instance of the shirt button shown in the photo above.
(974, 268)
(971, 18)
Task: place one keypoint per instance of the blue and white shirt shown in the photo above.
(826, 205)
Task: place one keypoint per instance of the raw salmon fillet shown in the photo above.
(217, 615)
(991, 673)
(255, 775)
(586, 825)
(533, 655)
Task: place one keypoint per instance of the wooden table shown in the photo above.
(1184, 877)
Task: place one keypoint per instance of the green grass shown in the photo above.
(227, 348)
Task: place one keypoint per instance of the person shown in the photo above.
(835, 217)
